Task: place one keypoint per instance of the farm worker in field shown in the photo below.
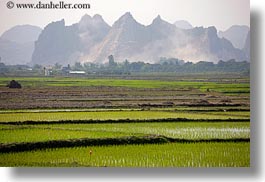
(90, 153)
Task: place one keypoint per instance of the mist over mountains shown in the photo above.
(128, 39)
(246, 47)
(183, 24)
(93, 40)
(17, 44)
(237, 34)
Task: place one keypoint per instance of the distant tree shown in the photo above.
(57, 66)
(111, 61)
(3, 68)
(126, 63)
(137, 66)
(37, 67)
(78, 66)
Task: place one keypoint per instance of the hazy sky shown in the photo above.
(220, 13)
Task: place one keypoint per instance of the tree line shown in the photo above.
(170, 65)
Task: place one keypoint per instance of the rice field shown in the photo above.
(189, 130)
(154, 155)
(84, 82)
(202, 122)
(116, 115)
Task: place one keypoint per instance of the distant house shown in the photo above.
(47, 71)
(77, 72)
(66, 70)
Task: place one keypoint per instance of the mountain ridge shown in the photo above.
(162, 39)
(183, 24)
(93, 40)
(236, 34)
(17, 44)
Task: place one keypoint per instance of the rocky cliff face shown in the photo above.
(125, 39)
(57, 44)
(67, 44)
(130, 40)
(92, 40)
(91, 31)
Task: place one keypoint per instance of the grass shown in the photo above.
(210, 154)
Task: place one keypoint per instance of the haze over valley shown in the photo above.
(93, 40)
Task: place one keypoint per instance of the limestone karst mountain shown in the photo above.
(246, 48)
(236, 34)
(63, 44)
(93, 40)
(17, 44)
(128, 39)
(92, 30)
(22, 34)
(56, 44)
(183, 24)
